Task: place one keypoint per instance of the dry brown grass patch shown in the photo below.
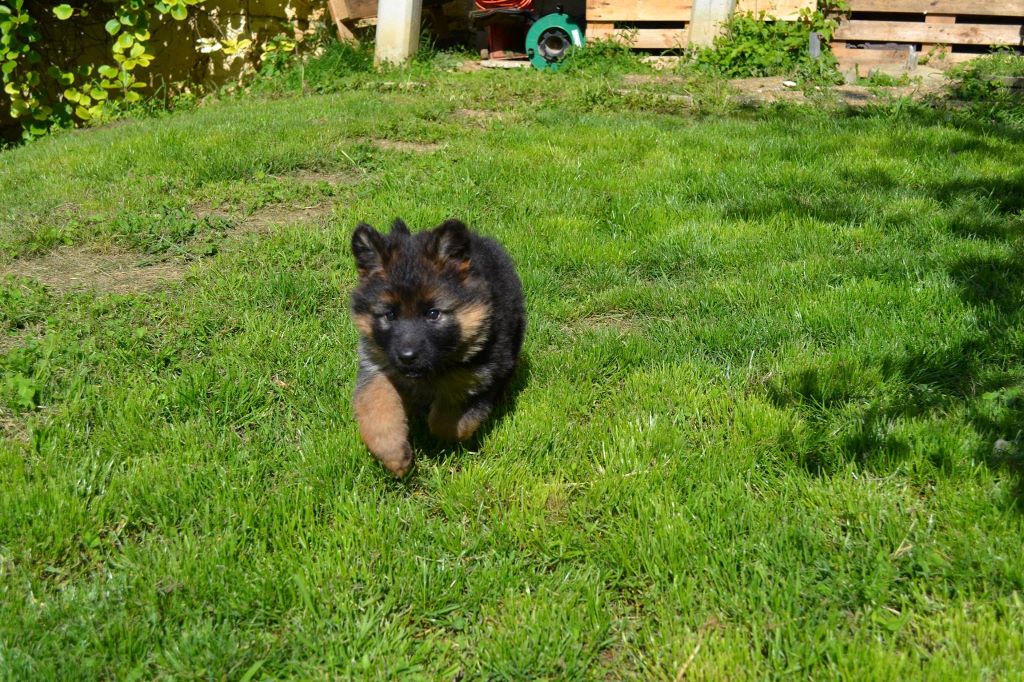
(406, 146)
(113, 270)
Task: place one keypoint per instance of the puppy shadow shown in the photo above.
(427, 446)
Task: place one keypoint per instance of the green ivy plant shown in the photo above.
(47, 95)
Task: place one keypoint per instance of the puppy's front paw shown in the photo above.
(397, 461)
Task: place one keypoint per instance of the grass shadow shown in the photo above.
(852, 412)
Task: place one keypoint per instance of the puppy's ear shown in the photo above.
(399, 227)
(449, 244)
(370, 249)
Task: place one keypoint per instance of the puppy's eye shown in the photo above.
(433, 314)
(389, 316)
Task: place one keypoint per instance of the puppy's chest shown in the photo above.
(452, 388)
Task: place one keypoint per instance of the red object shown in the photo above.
(484, 5)
(506, 41)
(505, 26)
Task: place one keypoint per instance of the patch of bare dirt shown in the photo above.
(478, 114)
(765, 90)
(622, 323)
(112, 270)
(18, 337)
(772, 89)
(643, 78)
(332, 178)
(269, 217)
(263, 220)
(12, 427)
(478, 118)
(406, 146)
(120, 271)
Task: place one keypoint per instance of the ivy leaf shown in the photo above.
(108, 71)
(137, 49)
(113, 26)
(125, 40)
(4, 9)
(8, 67)
(63, 12)
(179, 12)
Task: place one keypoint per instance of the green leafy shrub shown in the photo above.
(751, 46)
(988, 84)
(988, 77)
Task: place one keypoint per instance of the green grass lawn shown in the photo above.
(769, 421)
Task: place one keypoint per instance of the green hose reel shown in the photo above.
(550, 38)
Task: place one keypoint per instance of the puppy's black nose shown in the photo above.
(407, 356)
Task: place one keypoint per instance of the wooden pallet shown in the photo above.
(662, 24)
(344, 14)
(956, 29)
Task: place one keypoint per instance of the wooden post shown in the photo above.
(707, 19)
(398, 30)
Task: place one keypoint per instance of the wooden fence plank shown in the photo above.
(644, 38)
(918, 32)
(639, 10)
(680, 10)
(936, 19)
(998, 8)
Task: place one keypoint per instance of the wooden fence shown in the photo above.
(952, 29)
(960, 29)
(662, 24)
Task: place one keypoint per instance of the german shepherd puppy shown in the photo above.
(441, 320)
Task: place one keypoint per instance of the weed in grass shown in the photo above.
(993, 86)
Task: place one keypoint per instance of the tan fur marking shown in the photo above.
(383, 424)
(364, 323)
(472, 319)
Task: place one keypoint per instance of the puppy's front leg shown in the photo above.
(383, 424)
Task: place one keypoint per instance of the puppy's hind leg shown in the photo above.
(383, 423)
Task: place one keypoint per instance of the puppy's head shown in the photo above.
(421, 304)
